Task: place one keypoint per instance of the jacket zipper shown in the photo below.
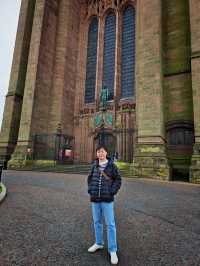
(100, 179)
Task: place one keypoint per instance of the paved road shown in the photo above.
(46, 220)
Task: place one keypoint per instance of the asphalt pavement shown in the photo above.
(46, 220)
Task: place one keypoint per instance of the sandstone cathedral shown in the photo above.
(145, 52)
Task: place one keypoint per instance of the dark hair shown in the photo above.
(101, 147)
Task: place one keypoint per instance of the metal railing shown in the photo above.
(51, 146)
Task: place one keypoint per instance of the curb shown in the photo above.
(3, 192)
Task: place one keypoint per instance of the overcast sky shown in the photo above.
(9, 14)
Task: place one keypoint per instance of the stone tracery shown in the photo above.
(99, 6)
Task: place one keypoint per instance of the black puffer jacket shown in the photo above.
(101, 188)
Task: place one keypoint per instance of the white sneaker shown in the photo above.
(114, 258)
(94, 248)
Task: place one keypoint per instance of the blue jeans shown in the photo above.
(106, 210)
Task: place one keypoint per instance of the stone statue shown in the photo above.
(104, 96)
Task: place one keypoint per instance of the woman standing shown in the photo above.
(104, 181)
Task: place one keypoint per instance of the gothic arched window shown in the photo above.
(109, 53)
(91, 61)
(128, 53)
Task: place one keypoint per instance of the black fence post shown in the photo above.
(1, 168)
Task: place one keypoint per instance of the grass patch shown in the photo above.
(122, 165)
(0, 188)
(126, 169)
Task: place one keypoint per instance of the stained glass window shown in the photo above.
(109, 53)
(91, 61)
(128, 53)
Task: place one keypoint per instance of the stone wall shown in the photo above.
(176, 61)
(48, 101)
(14, 98)
(150, 156)
(26, 121)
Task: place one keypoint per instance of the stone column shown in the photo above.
(59, 66)
(14, 98)
(24, 136)
(65, 67)
(150, 157)
(195, 63)
(81, 61)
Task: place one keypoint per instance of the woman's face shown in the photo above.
(101, 154)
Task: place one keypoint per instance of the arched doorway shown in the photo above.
(107, 139)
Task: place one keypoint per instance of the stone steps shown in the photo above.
(71, 169)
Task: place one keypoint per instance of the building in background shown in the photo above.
(147, 53)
